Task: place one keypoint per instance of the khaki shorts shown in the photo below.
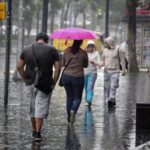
(39, 102)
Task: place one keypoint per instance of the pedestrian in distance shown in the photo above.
(47, 58)
(91, 71)
(73, 77)
(111, 59)
(124, 49)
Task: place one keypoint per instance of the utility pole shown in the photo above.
(45, 15)
(8, 47)
(107, 18)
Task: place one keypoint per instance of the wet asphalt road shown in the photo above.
(98, 129)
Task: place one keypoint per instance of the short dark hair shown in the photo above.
(43, 36)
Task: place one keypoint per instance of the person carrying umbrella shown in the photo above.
(73, 77)
(74, 61)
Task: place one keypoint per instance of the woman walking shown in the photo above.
(73, 77)
(91, 71)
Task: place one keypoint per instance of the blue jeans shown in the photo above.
(89, 86)
(74, 89)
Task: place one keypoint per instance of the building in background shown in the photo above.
(142, 32)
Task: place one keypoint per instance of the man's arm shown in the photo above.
(20, 67)
(57, 66)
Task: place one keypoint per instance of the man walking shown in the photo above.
(47, 57)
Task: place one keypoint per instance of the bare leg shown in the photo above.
(33, 124)
(38, 124)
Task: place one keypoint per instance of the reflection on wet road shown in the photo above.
(98, 128)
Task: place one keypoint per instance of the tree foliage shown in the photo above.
(89, 13)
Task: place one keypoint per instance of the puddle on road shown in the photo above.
(95, 129)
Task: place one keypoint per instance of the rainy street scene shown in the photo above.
(75, 75)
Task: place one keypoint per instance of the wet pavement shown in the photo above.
(98, 129)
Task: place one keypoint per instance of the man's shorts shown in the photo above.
(39, 102)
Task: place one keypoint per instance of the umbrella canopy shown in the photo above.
(73, 34)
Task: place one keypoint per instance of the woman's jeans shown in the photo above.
(74, 89)
(111, 83)
(89, 83)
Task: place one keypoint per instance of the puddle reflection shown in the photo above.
(36, 146)
(88, 136)
(72, 140)
(110, 135)
(142, 137)
(88, 120)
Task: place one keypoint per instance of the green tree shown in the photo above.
(64, 13)
(55, 6)
(38, 10)
(29, 14)
(117, 10)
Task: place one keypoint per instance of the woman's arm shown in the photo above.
(86, 61)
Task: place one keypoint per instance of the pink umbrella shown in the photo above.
(73, 34)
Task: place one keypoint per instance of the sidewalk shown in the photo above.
(99, 129)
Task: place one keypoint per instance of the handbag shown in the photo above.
(43, 81)
(60, 80)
